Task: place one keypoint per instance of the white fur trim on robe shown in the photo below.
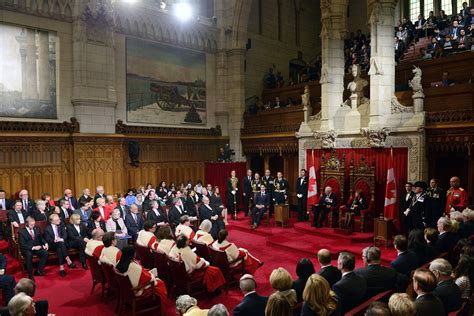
(203, 237)
(111, 255)
(166, 245)
(191, 261)
(94, 248)
(184, 230)
(147, 239)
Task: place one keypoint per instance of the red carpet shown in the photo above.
(278, 247)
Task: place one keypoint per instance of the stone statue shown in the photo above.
(306, 101)
(328, 140)
(415, 83)
(356, 87)
(376, 137)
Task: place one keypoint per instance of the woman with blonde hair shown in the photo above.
(318, 297)
(281, 281)
(278, 305)
(456, 218)
(400, 304)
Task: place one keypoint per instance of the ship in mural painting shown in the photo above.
(165, 85)
(27, 73)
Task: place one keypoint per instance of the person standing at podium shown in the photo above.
(281, 189)
(302, 195)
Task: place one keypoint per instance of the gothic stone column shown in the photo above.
(334, 20)
(382, 60)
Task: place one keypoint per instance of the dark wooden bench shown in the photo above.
(360, 309)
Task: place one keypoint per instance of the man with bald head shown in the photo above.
(456, 197)
(206, 211)
(252, 304)
(328, 271)
(322, 209)
(73, 203)
(28, 204)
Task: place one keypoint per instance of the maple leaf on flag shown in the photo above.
(391, 190)
(311, 184)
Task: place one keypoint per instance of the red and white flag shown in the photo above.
(312, 184)
(390, 206)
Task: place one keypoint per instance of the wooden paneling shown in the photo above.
(51, 162)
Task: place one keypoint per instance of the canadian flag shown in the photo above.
(312, 184)
(390, 209)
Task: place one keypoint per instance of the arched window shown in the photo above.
(447, 6)
(427, 7)
(414, 9)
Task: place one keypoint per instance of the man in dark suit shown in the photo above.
(65, 211)
(351, 289)
(379, 279)
(86, 195)
(405, 201)
(56, 236)
(207, 212)
(415, 214)
(447, 239)
(261, 205)
(77, 237)
(406, 260)
(156, 214)
(252, 304)
(32, 243)
(328, 271)
(436, 203)
(16, 216)
(28, 287)
(29, 205)
(5, 204)
(302, 195)
(122, 207)
(322, 209)
(84, 212)
(100, 193)
(73, 203)
(446, 290)
(426, 303)
(176, 211)
(7, 282)
(466, 228)
(133, 221)
(247, 192)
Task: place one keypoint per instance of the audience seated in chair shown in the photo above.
(187, 306)
(110, 254)
(213, 277)
(16, 217)
(40, 213)
(447, 239)
(353, 208)
(446, 290)
(156, 214)
(216, 202)
(304, 269)
(400, 304)
(379, 278)
(261, 202)
(325, 205)
(116, 224)
(328, 271)
(251, 264)
(28, 287)
(95, 222)
(138, 276)
(426, 303)
(133, 222)
(77, 237)
(32, 243)
(281, 282)
(184, 227)
(318, 297)
(103, 209)
(165, 240)
(95, 245)
(406, 260)
(84, 212)
(278, 305)
(21, 305)
(203, 234)
(56, 236)
(206, 211)
(351, 289)
(252, 304)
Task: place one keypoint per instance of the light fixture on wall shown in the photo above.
(183, 11)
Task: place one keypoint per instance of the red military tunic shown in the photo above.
(456, 198)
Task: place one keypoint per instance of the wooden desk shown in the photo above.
(282, 214)
(383, 230)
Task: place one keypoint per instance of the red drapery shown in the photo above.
(381, 156)
(217, 173)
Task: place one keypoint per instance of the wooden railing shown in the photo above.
(450, 117)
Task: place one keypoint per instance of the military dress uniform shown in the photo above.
(233, 185)
(255, 187)
(281, 190)
(436, 206)
(456, 200)
(270, 185)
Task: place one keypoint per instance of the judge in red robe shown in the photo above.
(110, 254)
(146, 237)
(203, 235)
(184, 227)
(213, 277)
(139, 277)
(95, 245)
(251, 264)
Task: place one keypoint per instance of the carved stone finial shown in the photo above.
(415, 83)
(306, 101)
(328, 140)
(376, 137)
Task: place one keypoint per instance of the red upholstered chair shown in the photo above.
(232, 274)
(361, 177)
(183, 283)
(202, 250)
(146, 257)
(97, 274)
(333, 175)
(112, 284)
(145, 303)
(161, 263)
